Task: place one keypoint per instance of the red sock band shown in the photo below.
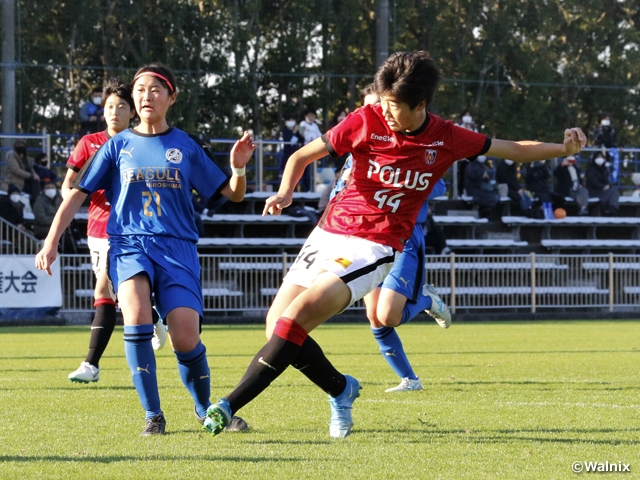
(103, 301)
(290, 331)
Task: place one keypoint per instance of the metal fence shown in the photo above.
(246, 284)
(15, 241)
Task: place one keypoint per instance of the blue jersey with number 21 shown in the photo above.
(148, 180)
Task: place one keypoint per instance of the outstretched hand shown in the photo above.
(242, 151)
(574, 140)
(276, 203)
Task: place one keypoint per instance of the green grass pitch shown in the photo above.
(501, 400)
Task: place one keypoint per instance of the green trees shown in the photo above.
(524, 68)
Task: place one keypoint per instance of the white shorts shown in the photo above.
(99, 248)
(361, 264)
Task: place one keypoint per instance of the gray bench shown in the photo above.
(239, 221)
(557, 245)
(583, 290)
(591, 223)
(498, 243)
(300, 199)
(461, 220)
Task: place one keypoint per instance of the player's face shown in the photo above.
(117, 114)
(399, 116)
(152, 99)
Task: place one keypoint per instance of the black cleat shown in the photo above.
(155, 426)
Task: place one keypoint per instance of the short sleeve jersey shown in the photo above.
(99, 207)
(392, 174)
(148, 180)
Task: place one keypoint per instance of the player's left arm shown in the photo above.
(240, 155)
(530, 151)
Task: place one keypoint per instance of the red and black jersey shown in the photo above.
(393, 172)
(99, 208)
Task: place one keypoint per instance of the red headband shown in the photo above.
(155, 75)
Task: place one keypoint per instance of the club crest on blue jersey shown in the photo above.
(174, 155)
(430, 157)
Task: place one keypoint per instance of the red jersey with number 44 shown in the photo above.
(393, 173)
(99, 208)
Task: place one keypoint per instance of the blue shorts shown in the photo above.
(171, 264)
(407, 274)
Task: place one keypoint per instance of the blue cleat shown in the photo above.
(218, 417)
(341, 405)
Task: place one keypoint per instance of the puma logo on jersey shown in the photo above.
(140, 369)
(128, 152)
(406, 282)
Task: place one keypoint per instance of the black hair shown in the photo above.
(164, 74)
(411, 77)
(120, 89)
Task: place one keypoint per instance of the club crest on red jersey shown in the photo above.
(430, 157)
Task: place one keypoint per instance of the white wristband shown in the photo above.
(239, 172)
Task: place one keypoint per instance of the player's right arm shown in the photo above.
(61, 221)
(292, 175)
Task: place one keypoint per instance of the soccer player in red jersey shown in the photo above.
(118, 111)
(400, 151)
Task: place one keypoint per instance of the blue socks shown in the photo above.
(194, 371)
(142, 363)
(410, 309)
(393, 351)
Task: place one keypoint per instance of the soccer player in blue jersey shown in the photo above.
(148, 173)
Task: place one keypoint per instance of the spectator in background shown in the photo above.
(41, 167)
(537, 181)
(91, 114)
(569, 184)
(45, 209)
(292, 139)
(507, 174)
(466, 122)
(310, 130)
(605, 137)
(597, 183)
(11, 208)
(20, 171)
(478, 185)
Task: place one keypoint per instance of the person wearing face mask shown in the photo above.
(466, 121)
(40, 166)
(569, 184)
(45, 209)
(478, 185)
(597, 183)
(292, 139)
(605, 137)
(11, 208)
(311, 131)
(92, 114)
(537, 181)
(507, 174)
(20, 170)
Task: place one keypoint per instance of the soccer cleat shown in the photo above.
(341, 422)
(406, 385)
(85, 373)
(439, 311)
(155, 426)
(237, 424)
(159, 335)
(218, 417)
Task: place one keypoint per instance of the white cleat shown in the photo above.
(439, 311)
(407, 385)
(159, 335)
(85, 374)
